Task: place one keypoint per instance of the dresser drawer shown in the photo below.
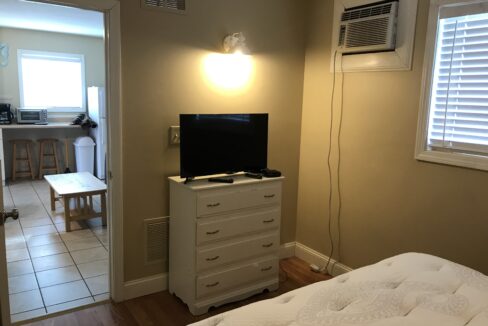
(238, 224)
(237, 251)
(222, 200)
(232, 278)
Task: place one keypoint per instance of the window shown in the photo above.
(453, 123)
(55, 81)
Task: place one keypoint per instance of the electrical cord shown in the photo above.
(338, 171)
(339, 191)
(329, 167)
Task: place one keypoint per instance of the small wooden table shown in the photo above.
(78, 186)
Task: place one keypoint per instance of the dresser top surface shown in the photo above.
(201, 183)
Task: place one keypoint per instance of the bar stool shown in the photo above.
(44, 145)
(16, 148)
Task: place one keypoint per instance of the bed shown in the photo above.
(407, 290)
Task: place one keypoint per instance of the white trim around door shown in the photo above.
(4, 298)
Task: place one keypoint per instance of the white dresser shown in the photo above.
(224, 240)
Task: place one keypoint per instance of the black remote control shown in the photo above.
(254, 175)
(223, 180)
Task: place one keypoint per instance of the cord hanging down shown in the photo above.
(325, 269)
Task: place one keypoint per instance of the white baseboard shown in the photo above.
(287, 250)
(314, 257)
(157, 283)
(145, 286)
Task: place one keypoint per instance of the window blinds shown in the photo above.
(459, 101)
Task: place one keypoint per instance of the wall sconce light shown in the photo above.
(232, 71)
(235, 43)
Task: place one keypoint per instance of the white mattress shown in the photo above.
(408, 290)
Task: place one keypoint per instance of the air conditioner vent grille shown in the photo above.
(384, 9)
(367, 32)
(342, 35)
(177, 5)
(156, 236)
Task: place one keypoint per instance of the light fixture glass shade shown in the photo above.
(235, 43)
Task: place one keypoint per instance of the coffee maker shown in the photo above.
(6, 115)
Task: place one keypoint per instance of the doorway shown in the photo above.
(50, 269)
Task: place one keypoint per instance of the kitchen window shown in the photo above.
(55, 81)
(453, 121)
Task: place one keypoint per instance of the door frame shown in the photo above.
(111, 11)
(4, 298)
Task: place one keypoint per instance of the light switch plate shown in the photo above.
(174, 135)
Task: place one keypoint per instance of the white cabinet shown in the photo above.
(224, 240)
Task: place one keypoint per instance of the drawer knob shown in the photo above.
(269, 196)
(268, 221)
(213, 258)
(212, 285)
(265, 269)
(268, 245)
(213, 205)
(213, 232)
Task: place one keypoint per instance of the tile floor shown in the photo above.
(50, 270)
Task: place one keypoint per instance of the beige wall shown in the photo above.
(391, 202)
(91, 47)
(162, 54)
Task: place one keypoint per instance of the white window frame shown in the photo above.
(57, 56)
(423, 152)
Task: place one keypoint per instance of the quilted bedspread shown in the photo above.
(407, 290)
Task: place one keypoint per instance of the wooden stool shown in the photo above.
(43, 145)
(28, 158)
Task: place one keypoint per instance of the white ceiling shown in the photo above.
(46, 17)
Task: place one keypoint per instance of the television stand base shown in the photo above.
(188, 180)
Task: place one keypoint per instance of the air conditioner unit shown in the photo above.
(370, 28)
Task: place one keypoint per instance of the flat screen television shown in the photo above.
(222, 143)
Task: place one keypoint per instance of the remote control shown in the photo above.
(223, 180)
(254, 175)
(269, 173)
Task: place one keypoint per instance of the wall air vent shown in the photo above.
(370, 28)
(156, 231)
(168, 5)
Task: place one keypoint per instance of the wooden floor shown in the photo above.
(165, 309)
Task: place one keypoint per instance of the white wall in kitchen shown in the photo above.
(91, 47)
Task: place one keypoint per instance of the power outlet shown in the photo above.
(174, 135)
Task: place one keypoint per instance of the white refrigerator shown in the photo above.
(97, 112)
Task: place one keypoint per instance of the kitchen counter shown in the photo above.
(19, 130)
(34, 126)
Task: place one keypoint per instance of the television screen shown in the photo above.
(222, 143)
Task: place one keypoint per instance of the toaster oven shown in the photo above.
(32, 116)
